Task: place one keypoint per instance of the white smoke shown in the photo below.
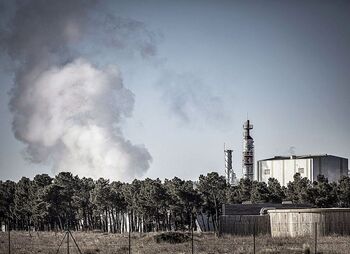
(67, 111)
(70, 115)
(190, 100)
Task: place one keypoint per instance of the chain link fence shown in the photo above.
(308, 240)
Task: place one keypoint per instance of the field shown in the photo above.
(90, 243)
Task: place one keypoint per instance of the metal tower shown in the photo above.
(230, 174)
(248, 152)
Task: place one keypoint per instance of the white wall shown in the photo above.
(331, 167)
(284, 170)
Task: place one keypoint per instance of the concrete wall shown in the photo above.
(302, 222)
(244, 224)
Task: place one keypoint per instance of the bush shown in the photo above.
(171, 237)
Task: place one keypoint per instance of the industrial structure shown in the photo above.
(304, 222)
(248, 152)
(309, 166)
(230, 174)
(245, 219)
(283, 168)
(283, 220)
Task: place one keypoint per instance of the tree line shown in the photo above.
(67, 201)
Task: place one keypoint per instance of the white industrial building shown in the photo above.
(310, 166)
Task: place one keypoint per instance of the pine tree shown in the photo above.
(212, 188)
(260, 192)
(297, 191)
(343, 191)
(23, 203)
(276, 194)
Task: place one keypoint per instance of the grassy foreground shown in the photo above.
(90, 243)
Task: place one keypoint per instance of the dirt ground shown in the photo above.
(90, 243)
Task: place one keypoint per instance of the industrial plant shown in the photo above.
(309, 166)
(283, 168)
(283, 219)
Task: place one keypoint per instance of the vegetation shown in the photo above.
(46, 203)
(172, 237)
(96, 243)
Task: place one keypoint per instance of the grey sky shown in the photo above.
(285, 63)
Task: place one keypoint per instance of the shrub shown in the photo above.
(171, 237)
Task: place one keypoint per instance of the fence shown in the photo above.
(188, 242)
(244, 225)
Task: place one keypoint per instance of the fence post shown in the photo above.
(192, 233)
(9, 234)
(315, 237)
(254, 233)
(67, 242)
(129, 239)
(75, 242)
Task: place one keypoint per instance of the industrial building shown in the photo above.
(310, 166)
(283, 168)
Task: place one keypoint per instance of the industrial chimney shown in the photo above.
(248, 152)
(230, 174)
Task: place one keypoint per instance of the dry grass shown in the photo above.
(94, 243)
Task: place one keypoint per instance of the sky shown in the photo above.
(136, 89)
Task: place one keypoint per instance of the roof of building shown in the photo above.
(300, 157)
(310, 210)
(254, 209)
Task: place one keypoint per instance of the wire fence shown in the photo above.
(308, 239)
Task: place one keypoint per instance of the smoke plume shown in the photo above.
(65, 109)
(190, 100)
(291, 150)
